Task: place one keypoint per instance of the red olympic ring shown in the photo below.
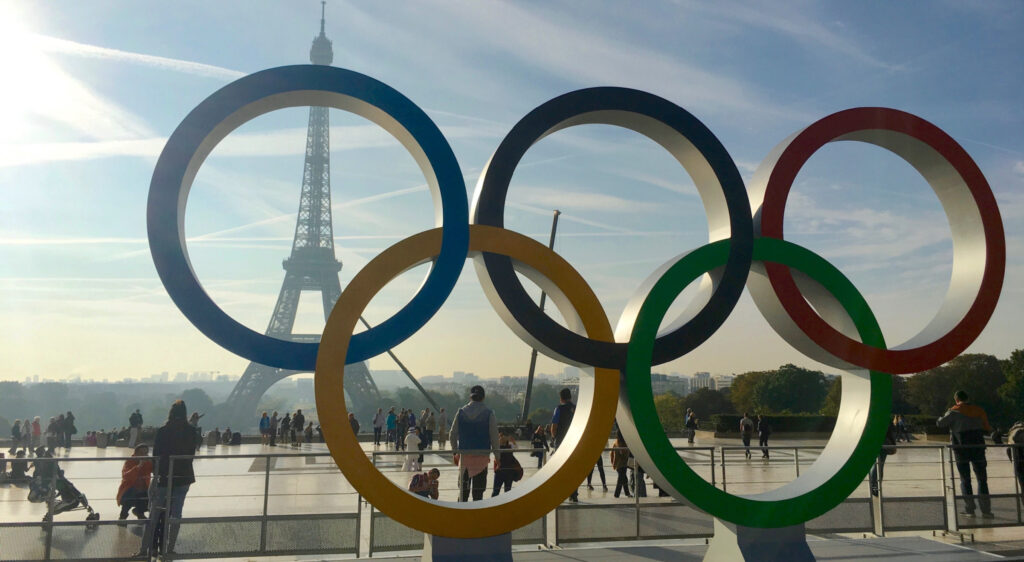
(967, 199)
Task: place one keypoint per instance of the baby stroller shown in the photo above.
(63, 495)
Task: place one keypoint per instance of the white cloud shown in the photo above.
(63, 46)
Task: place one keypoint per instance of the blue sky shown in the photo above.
(92, 90)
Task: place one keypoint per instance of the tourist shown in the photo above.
(746, 432)
(273, 429)
(561, 420)
(69, 429)
(474, 433)
(600, 472)
(225, 437)
(620, 462)
(442, 428)
(391, 423)
(58, 428)
(174, 438)
(425, 483)
(412, 442)
(134, 428)
(690, 421)
(968, 425)
(1015, 440)
(308, 433)
(507, 469)
(16, 438)
(378, 426)
(539, 444)
(354, 424)
(298, 423)
(401, 428)
(37, 434)
(428, 424)
(51, 435)
(764, 430)
(286, 427)
(133, 493)
(888, 448)
(265, 429)
(213, 437)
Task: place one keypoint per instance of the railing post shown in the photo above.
(880, 511)
(636, 494)
(949, 491)
(369, 544)
(49, 508)
(1014, 459)
(724, 487)
(266, 500)
(359, 521)
(796, 460)
(711, 454)
(167, 508)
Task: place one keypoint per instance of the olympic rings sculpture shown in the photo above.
(805, 299)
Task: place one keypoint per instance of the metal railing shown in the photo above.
(297, 503)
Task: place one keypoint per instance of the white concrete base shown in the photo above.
(734, 542)
(446, 549)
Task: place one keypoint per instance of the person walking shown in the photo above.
(133, 493)
(391, 426)
(764, 430)
(442, 428)
(888, 448)
(1015, 451)
(378, 426)
(298, 423)
(16, 438)
(539, 444)
(354, 424)
(401, 428)
(600, 472)
(968, 425)
(286, 427)
(265, 429)
(412, 443)
(746, 432)
(506, 468)
(561, 420)
(474, 433)
(175, 438)
(620, 462)
(274, 422)
(37, 434)
(69, 429)
(134, 428)
(690, 421)
(51, 436)
(428, 424)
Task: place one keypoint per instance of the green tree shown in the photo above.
(196, 400)
(706, 402)
(831, 405)
(1012, 391)
(670, 411)
(979, 374)
(541, 416)
(741, 392)
(791, 389)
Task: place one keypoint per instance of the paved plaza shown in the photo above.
(230, 482)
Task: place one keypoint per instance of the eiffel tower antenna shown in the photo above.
(312, 265)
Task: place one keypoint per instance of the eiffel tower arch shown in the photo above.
(312, 266)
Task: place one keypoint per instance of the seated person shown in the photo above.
(225, 438)
(19, 467)
(425, 483)
(213, 437)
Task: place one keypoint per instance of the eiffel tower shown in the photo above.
(312, 265)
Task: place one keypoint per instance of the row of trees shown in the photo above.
(997, 385)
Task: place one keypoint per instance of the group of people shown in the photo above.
(291, 429)
(27, 436)
(764, 431)
(396, 429)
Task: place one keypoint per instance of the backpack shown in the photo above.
(1016, 434)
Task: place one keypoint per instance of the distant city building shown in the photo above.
(662, 384)
(701, 380)
(722, 382)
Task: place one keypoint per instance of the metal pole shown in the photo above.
(167, 508)
(796, 460)
(533, 354)
(266, 499)
(723, 467)
(949, 492)
(49, 508)
(881, 507)
(359, 521)
(406, 371)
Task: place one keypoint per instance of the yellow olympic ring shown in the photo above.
(571, 462)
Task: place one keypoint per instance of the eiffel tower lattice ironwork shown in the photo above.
(312, 265)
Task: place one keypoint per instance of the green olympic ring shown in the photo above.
(841, 466)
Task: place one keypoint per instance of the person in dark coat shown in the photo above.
(176, 437)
